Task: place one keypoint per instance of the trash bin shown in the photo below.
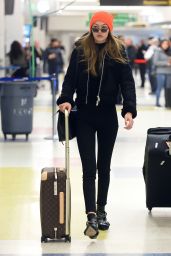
(0, 95)
(17, 107)
(168, 92)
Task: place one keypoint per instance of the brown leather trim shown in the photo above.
(61, 208)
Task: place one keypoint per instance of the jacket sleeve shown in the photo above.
(128, 91)
(69, 83)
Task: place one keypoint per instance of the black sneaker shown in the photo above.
(92, 228)
(103, 224)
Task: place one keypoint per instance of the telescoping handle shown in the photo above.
(67, 156)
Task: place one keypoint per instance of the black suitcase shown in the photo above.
(157, 167)
(55, 199)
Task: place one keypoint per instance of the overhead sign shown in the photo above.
(121, 19)
(136, 2)
(157, 2)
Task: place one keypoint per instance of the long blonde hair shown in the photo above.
(113, 48)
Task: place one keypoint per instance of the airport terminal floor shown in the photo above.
(133, 230)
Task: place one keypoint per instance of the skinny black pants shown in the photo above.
(142, 68)
(104, 123)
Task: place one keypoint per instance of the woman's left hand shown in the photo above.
(128, 121)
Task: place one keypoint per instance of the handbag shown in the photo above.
(72, 124)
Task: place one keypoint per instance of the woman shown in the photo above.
(17, 57)
(162, 62)
(97, 68)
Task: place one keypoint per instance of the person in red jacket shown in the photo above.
(97, 69)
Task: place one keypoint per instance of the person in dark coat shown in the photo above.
(142, 65)
(53, 57)
(98, 67)
(17, 57)
(131, 51)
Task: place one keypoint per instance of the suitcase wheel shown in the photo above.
(27, 135)
(149, 208)
(68, 239)
(5, 136)
(44, 239)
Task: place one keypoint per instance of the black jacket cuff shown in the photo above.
(130, 109)
(63, 99)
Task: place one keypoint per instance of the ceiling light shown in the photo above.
(43, 6)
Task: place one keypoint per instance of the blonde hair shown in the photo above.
(113, 48)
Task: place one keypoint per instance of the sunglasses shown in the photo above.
(96, 30)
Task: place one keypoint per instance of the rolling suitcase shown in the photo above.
(55, 198)
(157, 167)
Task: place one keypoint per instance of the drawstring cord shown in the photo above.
(100, 84)
(87, 83)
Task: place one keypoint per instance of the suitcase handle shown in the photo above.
(67, 166)
(159, 130)
(67, 155)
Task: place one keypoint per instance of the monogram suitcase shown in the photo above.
(55, 199)
(157, 167)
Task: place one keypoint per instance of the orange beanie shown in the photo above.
(105, 17)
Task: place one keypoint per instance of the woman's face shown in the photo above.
(165, 44)
(100, 32)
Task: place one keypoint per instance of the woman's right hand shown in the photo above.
(65, 105)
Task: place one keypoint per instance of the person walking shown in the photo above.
(162, 60)
(142, 63)
(149, 57)
(98, 67)
(53, 56)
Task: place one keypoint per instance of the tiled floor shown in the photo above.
(133, 230)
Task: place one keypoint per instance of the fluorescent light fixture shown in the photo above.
(152, 15)
(166, 26)
(43, 6)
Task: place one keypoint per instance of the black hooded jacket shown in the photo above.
(86, 86)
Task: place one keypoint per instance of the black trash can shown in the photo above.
(17, 107)
(168, 92)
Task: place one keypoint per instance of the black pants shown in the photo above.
(92, 120)
(142, 68)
